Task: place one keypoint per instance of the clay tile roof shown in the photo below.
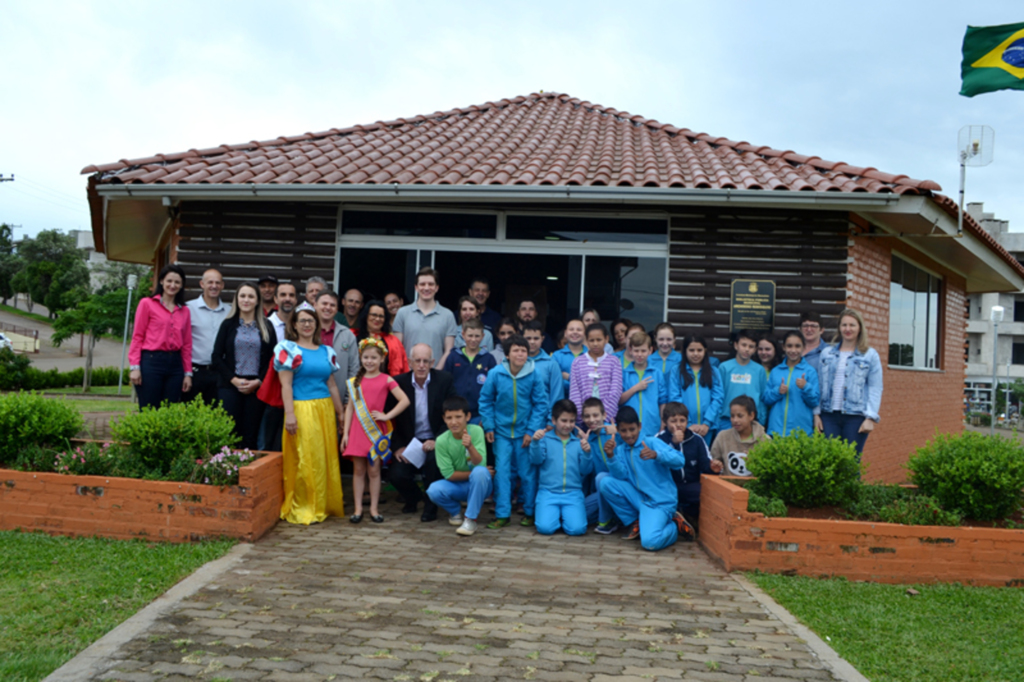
(541, 139)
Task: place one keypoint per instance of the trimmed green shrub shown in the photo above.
(980, 476)
(18, 374)
(918, 510)
(158, 437)
(805, 471)
(870, 499)
(769, 506)
(29, 419)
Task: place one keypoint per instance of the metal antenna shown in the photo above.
(974, 146)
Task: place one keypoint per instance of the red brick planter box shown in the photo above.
(126, 508)
(858, 550)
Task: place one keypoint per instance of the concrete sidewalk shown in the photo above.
(405, 600)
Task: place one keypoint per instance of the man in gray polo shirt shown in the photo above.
(426, 320)
(207, 312)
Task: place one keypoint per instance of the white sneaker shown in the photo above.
(455, 520)
(468, 527)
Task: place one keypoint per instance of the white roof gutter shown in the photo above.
(481, 193)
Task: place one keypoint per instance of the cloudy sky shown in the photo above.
(869, 83)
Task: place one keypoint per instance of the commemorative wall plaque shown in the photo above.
(752, 305)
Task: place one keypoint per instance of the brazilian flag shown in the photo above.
(993, 59)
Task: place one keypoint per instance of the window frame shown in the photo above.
(939, 313)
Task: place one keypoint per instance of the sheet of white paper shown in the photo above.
(414, 453)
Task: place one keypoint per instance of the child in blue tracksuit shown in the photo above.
(741, 376)
(640, 488)
(470, 365)
(643, 387)
(562, 460)
(696, 455)
(543, 364)
(698, 386)
(793, 391)
(667, 359)
(598, 432)
(511, 408)
(575, 335)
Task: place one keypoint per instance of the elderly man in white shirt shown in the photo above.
(207, 312)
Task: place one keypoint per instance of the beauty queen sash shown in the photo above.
(380, 451)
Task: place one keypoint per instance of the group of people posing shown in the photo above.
(605, 426)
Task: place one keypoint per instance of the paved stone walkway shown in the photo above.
(411, 601)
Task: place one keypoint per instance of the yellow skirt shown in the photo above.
(312, 478)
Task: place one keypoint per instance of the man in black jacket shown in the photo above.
(424, 420)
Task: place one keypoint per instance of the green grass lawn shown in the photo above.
(126, 390)
(947, 632)
(58, 595)
(31, 316)
(86, 405)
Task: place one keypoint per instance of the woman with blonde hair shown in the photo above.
(241, 359)
(312, 414)
(851, 383)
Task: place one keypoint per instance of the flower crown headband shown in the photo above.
(376, 343)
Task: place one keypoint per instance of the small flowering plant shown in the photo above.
(90, 459)
(221, 468)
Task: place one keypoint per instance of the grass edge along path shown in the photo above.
(27, 315)
(58, 595)
(946, 632)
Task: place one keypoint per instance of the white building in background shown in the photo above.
(96, 261)
(1009, 352)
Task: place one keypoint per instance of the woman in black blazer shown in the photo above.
(241, 356)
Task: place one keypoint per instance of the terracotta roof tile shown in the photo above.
(542, 139)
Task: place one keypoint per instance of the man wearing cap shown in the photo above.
(268, 288)
(207, 312)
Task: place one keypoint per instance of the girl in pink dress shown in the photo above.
(366, 436)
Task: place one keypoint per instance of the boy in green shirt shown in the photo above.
(460, 453)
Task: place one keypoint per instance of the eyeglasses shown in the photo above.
(811, 325)
(376, 316)
(420, 361)
(312, 322)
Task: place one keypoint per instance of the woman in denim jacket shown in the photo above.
(851, 383)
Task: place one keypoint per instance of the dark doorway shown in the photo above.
(375, 272)
(552, 282)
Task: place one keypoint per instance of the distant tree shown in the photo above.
(55, 270)
(96, 315)
(10, 263)
(116, 274)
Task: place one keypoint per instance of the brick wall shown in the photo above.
(914, 403)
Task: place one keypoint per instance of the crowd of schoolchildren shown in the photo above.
(609, 427)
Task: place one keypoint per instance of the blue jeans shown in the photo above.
(657, 529)
(162, 376)
(448, 494)
(845, 426)
(561, 510)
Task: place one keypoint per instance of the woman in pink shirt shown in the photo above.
(161, 350)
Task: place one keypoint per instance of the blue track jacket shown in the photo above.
(737, 380)
(704, 404)
(513, 406)
(651, 477)
(597, 454)
(795, 410)
(666, 366)
(560, 466)
(646, 402)
(551, 372)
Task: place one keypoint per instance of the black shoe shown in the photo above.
(409, 508)
(426, 517)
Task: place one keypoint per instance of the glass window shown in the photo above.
(1018, 310)
(626, 287)
(913, 316)
(1018, 354)
(414, 224)
(565, 229)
